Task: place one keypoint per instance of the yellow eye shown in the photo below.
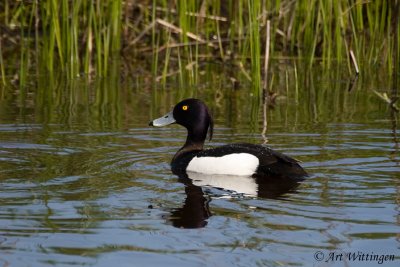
(185, 107)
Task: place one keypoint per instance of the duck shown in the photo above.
(239, 159)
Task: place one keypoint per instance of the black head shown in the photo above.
(193, 114)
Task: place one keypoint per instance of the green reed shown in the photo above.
(254, 45)
(315, 31)
(83, 37)
(2, 72)
(70, 36)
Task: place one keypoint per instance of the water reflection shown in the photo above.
(79, 170)
(195, 210)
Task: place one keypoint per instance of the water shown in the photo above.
(89, 184)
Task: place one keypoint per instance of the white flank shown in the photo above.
(240, 184)
(242, 164)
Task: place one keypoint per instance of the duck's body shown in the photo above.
(237, 159)
(233, 159)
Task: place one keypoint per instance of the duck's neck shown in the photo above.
(194, 142)
(196, 137)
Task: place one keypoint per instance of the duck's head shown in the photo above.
(191, 113)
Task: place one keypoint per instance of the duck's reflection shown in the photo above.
(195, 210)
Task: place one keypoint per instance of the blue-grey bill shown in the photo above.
(164, 120)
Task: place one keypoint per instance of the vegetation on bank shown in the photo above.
(177, 39)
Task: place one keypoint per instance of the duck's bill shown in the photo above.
(163, 121)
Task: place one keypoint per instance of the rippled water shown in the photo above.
(77, 194)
